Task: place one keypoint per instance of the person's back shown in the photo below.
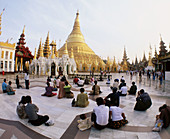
(165, 115)
(31, 110)
(82, 99)
(21, 108)
(115, 84)
(49, 90)
(116, 113)
(133, 89)
(114, 98)
(4, 85)
(145, 97)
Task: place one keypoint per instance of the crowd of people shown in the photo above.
(107, 113)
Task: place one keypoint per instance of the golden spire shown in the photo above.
(76, 35)
(72, 55)
(41, 50)
(35, 54)
(52, 56)
(160, 37)
(65, 50)
(23, 30)
(1, 20)
(46, 50)
(114, 61)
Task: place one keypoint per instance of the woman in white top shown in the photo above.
(117, 118)
(123, 90)
(26, 80)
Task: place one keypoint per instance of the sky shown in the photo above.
(107, 25)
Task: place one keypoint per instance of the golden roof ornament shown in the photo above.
(23, 30)
(52, 56)
(41, 51)
(65, 50)
(35, 54)
(72, 55)
(0, 19)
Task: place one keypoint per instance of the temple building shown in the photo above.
(23, 56)
(7, 51)
(85, 58)
(47, 62)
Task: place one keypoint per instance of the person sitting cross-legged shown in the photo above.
(49, 90)
(123, 90)
(9, 89)
(143, 101)
(34, 118)
(95, 89)
(86, 81)
(116, 118)
(67, 88)
(133, 89)
(82, 99)
(100, 115)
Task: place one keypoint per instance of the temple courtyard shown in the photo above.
(65, 117)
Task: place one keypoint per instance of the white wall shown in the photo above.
(167, 75)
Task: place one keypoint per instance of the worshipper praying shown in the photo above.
(4, 85)
(67, 89)
(61, 88)
(95, 89)
(100, 115)
(123, 90)
(133, 89)
(116, 83)
(9, 89)
(21, 108)
(49, 90)
(86, 81)
(143, 101)
(84, 123)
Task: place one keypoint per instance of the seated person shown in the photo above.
(9, 89)
(100, 79)
(100, 115)
(116, 83)
(92, 80)
(31, 111)
(49, 90)
(117, 118)
(95, 89)
(121, 84)
(112, 98)
(21, 108)
(82, 99)
(4, 85)
(54, 85)
(84, 122)
(163, 119)
(143, 101)
(80, 82)
(75, 81)
(108, 80)
(133, 89)
(67, 88)
(48, 79)
(86, 81)
(123, 90)
(57, 81)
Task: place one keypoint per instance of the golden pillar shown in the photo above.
(16, 63)
(30, 61)
(21, 68)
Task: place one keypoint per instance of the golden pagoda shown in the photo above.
(53, 45)
(114, 66)
(46, 49)
(81, 51)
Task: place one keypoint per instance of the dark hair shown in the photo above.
(124, 84)
(82, 116)
(48, 84)
(95, 82)
(114, 89)
(142, 91)
(81, 89)
(23, 100)
(9, 82)
(66, 83)
(162, 107)
(133, 82)
(4, 80)
(63, 79)
(28, 99)
(99, 101)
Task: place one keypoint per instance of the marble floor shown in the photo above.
(64, 116)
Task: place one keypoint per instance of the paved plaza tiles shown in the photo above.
(65, 117)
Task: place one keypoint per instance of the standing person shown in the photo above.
(100, 115)
(143, 101)
(4, 85)
(61, 88)
(9, 89)
(140, 75)
(133, 89)
(26, 80)
(31, 110)
(21, 108)
(17, 82)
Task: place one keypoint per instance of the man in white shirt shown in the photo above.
(124, 90)
(100, 115)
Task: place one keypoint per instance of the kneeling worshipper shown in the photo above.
(9, 89)
(67, 89)
(49, 90)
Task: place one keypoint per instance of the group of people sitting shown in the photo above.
(27, 110)
(8, 88)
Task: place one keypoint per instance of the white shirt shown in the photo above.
(26, 76)
(81, 82)
(102, 114)
(116, 113)
(57, 82)
(124, 89)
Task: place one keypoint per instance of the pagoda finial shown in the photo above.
(77, 12)
(65, 50)
(35, 54)
(52, 56)
(72, 55)
(160, 37)
(0, 19)
(23, 30)
(41, 50)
